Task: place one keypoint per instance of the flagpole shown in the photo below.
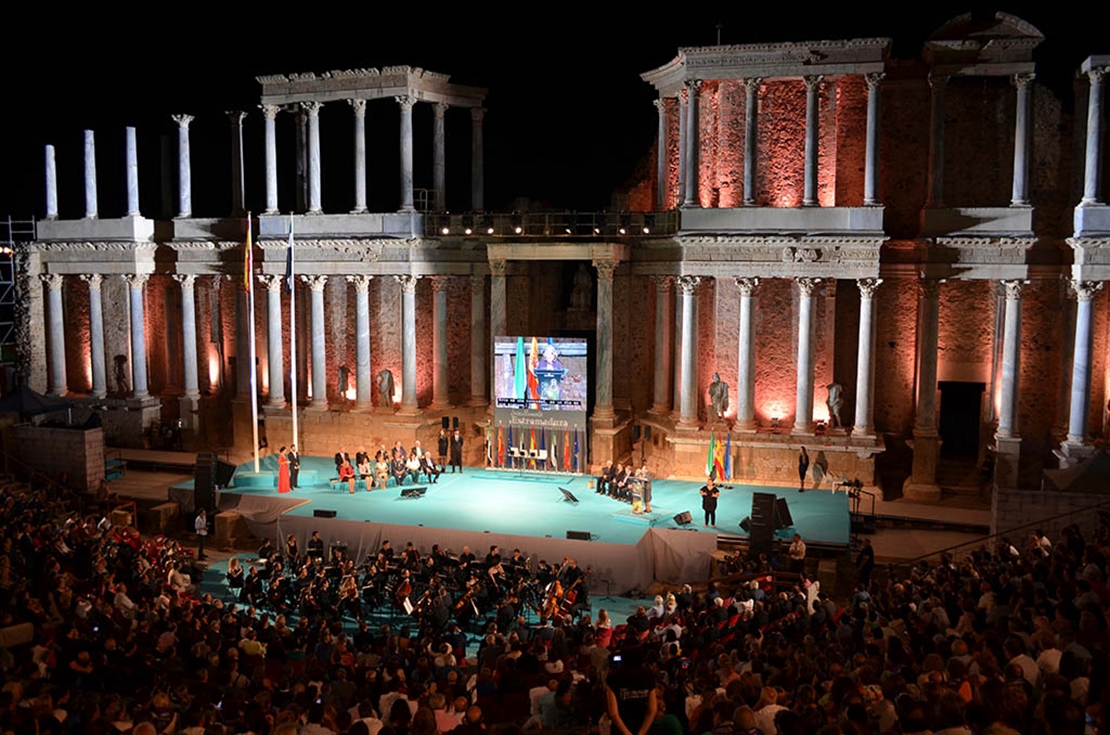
(293, 330)
(253, 357)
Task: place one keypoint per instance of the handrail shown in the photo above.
(1007, 532)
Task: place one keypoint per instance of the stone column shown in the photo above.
(359, 107)
(439, 156)
(871, 155)
(440, 396)
(1085, 293)
(312, 114)
(935, 196)
(603, 394)
(135, 283)
(745, 368)
(409, 402)
(692, 139)
(803, 413)
(1023, 133)
(477, 160)
(189, 332)
(922, 484)
(676, 358)
(1011, 361)
(56, 318)
(498, 304)
(664, 349)
(90, 175)
(363, 372)
(51, 184)
(319, 346)
(1092, 183)
(478, 341)
(809, 191)
(688, 417)
(269, 115)
(238, 181)
(96, 335)
(751, 136)
(274, 348)
(406, 103)
(132, 154)
(661, 156)
(864, 425)
(184, 167)
(680, 105)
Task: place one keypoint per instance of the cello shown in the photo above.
(570, 597)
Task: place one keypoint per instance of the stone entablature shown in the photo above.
(965, 47)
(770, 61)
(1091, 258)
(385, 83)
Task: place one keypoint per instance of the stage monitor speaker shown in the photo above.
(578, 535)
(746, 524)
(204, 481)
(414, 492)
(224, 471)
(762, 534)
(321, 513)
(684, 518)
(445, 422)
(782, 514)
(568, 495)
(454, 422)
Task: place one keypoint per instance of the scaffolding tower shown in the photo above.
(14, 234)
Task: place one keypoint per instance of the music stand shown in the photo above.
(413, 492)
(568, 495)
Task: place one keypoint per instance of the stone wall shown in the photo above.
(1013, 508)
(77, 452)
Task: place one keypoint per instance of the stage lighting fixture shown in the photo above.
(468, 231)
(518, 229)
(445, 231)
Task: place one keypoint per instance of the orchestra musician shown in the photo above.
(316, 547)
(292, 551)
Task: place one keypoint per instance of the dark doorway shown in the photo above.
(959, 417)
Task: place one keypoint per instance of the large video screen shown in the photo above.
(540, 373)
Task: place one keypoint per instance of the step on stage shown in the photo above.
(526, 510)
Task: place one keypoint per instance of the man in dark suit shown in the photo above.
(456, 451)
(294, 465)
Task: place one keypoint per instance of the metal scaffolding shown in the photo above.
(14, 234)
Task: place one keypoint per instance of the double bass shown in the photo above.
(570, 597)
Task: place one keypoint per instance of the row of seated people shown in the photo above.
(622, 482)
(386, 464)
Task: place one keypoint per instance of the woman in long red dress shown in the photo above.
(283, 472)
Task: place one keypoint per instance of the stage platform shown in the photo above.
(525, 510)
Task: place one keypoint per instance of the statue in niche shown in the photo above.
(834, 402)
(385, 386)
(121, 374)
(343, 384)
(582, 295)
(718, 396)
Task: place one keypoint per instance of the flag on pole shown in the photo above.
(576, 450)
(520, 371)
(566, 450)
(709, 455)
(509, 462)
(290, 282)
(554, 453)
(533, 381)
(728, 457)
(500, 446)
(532, 449)
(489, 443)
(248, 282)
(719, 461)
(543, 449)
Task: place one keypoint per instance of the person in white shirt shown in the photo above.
(765, 711)
(124, 603)
(201, 527)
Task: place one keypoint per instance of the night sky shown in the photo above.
(568, 117)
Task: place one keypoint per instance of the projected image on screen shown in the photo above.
(540, 373)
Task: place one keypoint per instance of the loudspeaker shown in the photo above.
(321, 513)
(684, 518)
(445, 422)
(454, 422)
(568, 495)
(204, 481)
(578, 535)
(746, 524)
(223, 472)
(782, 514)
(636, 431)
(762, 533)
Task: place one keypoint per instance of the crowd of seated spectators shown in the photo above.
(1007, 639)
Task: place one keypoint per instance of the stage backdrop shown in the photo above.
(540, 389)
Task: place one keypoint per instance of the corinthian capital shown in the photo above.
(405, 101)
(235, 117)
(359, 106)
(312, 108)
(660, 104)
(182, 120)
(1013, 289)
(273, 282)
(868, 287)
(1086, 290)
(606, 268)
(692, 85)
(663, 284)
(187, 280)
(807, 286)
(93, 279)
(752, 84)
(1097, 74)
(929, 288)
(498, 267)
(439, 109)
(747, 286)
(1024, 79)
(874, 79)
(937, 83)
(270, 112)
(53, 281)
(315, 283)
(136, 280)
(408, 282)
(688, 285)
(477, 114)
(360, 281)
(812, 81)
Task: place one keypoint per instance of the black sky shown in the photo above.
(569, 119)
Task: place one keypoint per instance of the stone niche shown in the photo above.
(77, 452)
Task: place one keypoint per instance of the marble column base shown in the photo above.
(188, 407)
(317, 406)
(807, 430)
(1071, 454)
(604, 417)
(660, 411)
(442, 406)
(478, 402)
(922, 484)
(1007, 459)
(687, 426)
